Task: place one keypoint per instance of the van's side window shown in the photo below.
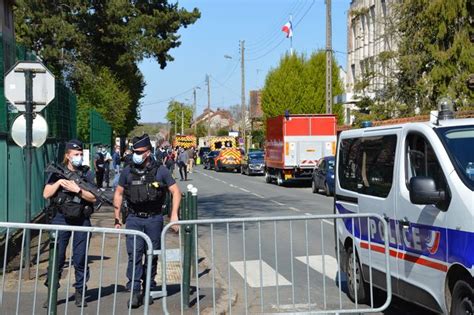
(422, 160)
(367, 164)
(349, 166)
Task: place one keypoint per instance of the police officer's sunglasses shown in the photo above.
(139, 152)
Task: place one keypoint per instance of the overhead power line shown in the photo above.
(168, 99)
(283, 39)
(263, 44)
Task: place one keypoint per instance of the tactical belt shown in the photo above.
(142, 214)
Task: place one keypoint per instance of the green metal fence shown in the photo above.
(61, 118)
(100, 130)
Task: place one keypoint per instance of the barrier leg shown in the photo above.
(187, 254)
(53, 274)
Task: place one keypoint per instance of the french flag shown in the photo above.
(288, 29)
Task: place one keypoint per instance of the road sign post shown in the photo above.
(28, 152)
(34, 98)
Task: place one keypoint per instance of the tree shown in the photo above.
(236, 112)
(174, 116)
(78, 37)
(435, 52)
(298, 85)
(222, 131)
(103, 92)
(201, 130)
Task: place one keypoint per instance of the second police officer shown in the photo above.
(144, 185)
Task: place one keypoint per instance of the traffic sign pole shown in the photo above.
(28, 151)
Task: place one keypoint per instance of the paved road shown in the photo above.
(277, 275)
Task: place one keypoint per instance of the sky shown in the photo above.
(217, 33)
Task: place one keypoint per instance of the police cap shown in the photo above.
(74, 144)
(141, 142)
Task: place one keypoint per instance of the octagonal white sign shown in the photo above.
(43, 85)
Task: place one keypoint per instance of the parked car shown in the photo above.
(323, 176)
(209, 160)
(253, 163)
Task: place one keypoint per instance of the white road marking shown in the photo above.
(295, 209)
(316, 263)
(224, 182)
(253, 274)
(257, 195)
(308, 213)
(233, 186)
(243, 189)
(278, 203)
(328, 222)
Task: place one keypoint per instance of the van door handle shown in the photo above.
(405, 223)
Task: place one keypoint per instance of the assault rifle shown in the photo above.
(65, 173)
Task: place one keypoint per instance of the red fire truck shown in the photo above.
(295, 143)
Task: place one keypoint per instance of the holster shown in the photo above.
(124, 211)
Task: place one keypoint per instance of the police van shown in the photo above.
(420, 178)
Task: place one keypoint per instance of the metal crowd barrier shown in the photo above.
(105, 257)
(265, 241)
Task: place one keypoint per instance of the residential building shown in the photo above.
(218, 119)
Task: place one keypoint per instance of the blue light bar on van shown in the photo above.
(366, 124)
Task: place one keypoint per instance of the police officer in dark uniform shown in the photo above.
(73, 206)
(144, 184)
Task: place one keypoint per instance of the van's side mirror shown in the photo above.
(423, 191)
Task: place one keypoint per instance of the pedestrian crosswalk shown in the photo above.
(250, 270)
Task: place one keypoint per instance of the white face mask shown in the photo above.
(76, 160)
(138, 158)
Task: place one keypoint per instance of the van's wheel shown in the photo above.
(313, 187)
(462, 299)
(280, 181)
(355, 278)
(326, 189)
(268, 179)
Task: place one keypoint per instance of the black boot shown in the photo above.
(137, 300)
(78, 299)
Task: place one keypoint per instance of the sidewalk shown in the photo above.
(114, 258)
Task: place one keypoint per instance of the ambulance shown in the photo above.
(420, 178)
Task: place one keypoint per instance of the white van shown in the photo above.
(420, 178)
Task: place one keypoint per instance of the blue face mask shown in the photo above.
(77, 160)
(138, 158)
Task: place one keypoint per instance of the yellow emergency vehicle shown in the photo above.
(228, 159)
(184, 141)
(218, 143)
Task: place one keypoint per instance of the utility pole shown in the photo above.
(242, 66)
(328, 58)
(208, 106)
(194, 112)
(182, 120)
